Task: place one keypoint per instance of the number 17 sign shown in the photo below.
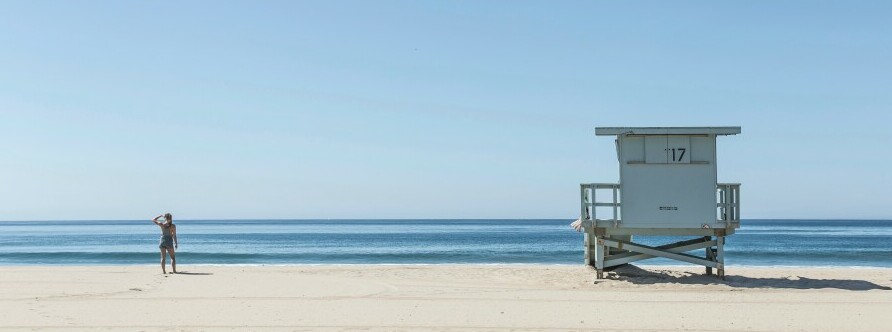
(668, 149)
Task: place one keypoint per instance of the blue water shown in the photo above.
(757, 243)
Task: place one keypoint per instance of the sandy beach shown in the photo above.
(443, 298)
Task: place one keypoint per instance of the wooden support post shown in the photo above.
(599, 257)
(720, 255)
(587, 241)
(710, 255)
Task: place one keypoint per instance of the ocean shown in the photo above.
(816, 243)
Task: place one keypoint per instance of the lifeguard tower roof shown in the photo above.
(607, 131)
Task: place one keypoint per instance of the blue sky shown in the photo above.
(423, 109)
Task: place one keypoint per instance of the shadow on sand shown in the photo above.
(639, 276)
(195, 273)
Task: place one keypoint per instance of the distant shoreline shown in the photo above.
(730, 267)
(407, 219)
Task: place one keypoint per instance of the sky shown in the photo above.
(431, 109)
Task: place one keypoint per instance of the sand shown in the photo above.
(443, 298)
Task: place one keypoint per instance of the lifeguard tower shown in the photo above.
(667, 186)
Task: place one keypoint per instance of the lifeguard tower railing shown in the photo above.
(727, 203)
(608, 242)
